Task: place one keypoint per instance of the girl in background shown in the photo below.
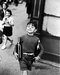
(7, 30)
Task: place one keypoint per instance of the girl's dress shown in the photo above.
(7, 27)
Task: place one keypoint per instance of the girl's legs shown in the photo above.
(11, 41)
(5, 38)
(4, 42)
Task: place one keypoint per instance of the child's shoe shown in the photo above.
(3, 47)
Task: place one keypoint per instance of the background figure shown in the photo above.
(1, 2)
(7, 30)
(4, 6)
(2, 13)
(29, 5)
(21, 1)
(1, 31)
(16, 2)
(9, 1)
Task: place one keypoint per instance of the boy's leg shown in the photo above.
(23, 68)
(26, 64)
(25, 72)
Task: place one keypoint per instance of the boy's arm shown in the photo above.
(41, 50)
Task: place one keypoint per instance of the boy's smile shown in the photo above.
(30, 29)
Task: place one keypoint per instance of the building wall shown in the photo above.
(51, 28)
(51, 23)
(52, 7)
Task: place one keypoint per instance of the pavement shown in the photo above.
(8, 64)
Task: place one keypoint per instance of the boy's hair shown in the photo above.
(34, 23)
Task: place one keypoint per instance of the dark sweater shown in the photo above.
(29, 44)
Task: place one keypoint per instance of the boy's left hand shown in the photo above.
(37, 58)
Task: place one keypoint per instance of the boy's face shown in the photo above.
(30, 28)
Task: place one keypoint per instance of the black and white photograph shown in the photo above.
(29, 37)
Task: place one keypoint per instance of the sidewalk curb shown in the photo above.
(50, 63)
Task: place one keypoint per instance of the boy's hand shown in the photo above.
(16, 55)
(37, 58)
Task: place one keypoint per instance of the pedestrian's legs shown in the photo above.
(11, 41)
(4, 42)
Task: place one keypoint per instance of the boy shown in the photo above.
(29, 45)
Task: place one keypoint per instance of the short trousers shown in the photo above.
(26, 62)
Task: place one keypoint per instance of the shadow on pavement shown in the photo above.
(41, 66)
(6, 72)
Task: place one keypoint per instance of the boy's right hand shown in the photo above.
(37, 58)
(16, 55)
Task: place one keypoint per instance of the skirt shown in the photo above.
(7, 31)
